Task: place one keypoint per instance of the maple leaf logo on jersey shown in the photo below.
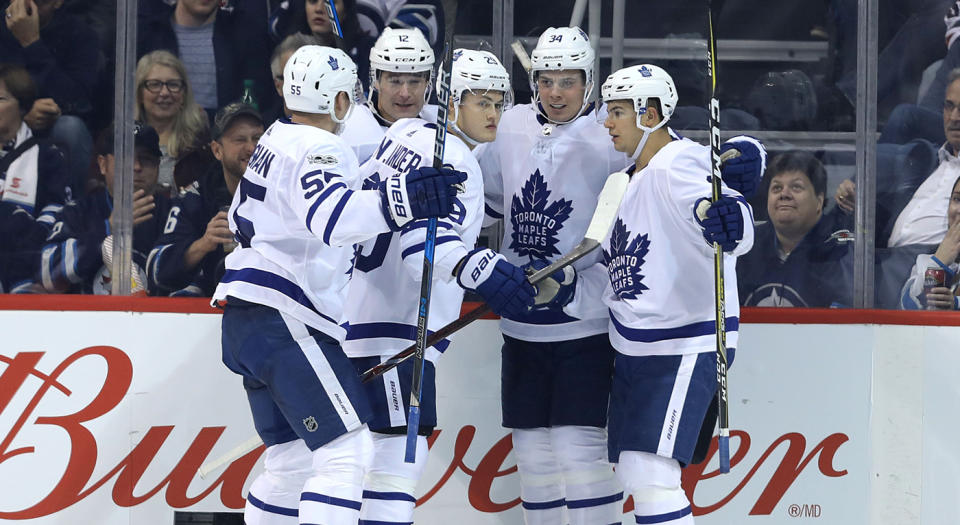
(535, 221)
(624, 261)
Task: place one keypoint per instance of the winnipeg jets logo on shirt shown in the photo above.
(625, 260)
(537, 221)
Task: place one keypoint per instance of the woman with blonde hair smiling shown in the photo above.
(165, 102)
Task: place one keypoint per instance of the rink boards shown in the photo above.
(105, 417)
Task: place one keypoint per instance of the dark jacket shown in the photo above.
(63, 63)
(187, 222)
(241, 46)
(817, 273)
(21, 237)
(71, 259)
(53, 183)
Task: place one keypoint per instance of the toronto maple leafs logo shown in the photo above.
(457, 54)
(624, 261)
(334, 65)
(537, 221)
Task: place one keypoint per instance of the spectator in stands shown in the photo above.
(82, 232)
(32, 172)
(923, 220)
(310, 17)
(222, 44)
(914, 296)
(798, 259)
(282, 53)
(165, 102)
(21, 237)
(62, 56)
(188, 258)
(425, 15)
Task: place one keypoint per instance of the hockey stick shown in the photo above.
(607, 204)
(521, 53)
(429, 246)
(334, 19)
(233, 454)
(723, 416)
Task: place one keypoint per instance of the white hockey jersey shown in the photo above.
(362, 132)
(382, 299)
(661, 282)
(544, 180)
(297, 214)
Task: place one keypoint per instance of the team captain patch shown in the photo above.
(323, 159)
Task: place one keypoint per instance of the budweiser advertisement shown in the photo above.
(106, 417)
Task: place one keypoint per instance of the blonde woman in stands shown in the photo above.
(165, 102)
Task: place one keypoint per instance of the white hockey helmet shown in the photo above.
(314, 76)
(562, 48)
(640, 84)
(478, 71)
(401, 51)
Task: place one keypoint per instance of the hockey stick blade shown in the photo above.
(234, 453)
(608, 203)
(521, 53)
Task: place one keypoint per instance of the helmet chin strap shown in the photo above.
(646, 135)
(452, 125)
(339, 121)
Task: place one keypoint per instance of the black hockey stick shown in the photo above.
(607, 204)
(719, 299)
(429, 246)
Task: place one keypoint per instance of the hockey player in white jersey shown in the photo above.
(543, 175)
(659, 258)
(401, 77)
(381, 307)
(296, 214)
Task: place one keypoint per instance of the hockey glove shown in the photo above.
(555, 291)
(419, 194)
(722, 223)
(502, 285)
(744, 172)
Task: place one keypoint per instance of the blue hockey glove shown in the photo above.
(555, 291)
(744, 172)
(723, 223)
(502, 285)
(419, 194)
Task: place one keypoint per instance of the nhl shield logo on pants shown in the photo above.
(310, 423)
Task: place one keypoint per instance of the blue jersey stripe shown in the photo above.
(393, 496)
(668, 516)
(529, 505)
(330, 500)
(274, 282)
(266, 507)
(335, 216)
(594, 502)
(652, 335)
(316, 204)
(392, 330)
(420, 246)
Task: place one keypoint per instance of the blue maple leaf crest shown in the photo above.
(457, 54)
(537, 221)
(625, 260)
(334, 65)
